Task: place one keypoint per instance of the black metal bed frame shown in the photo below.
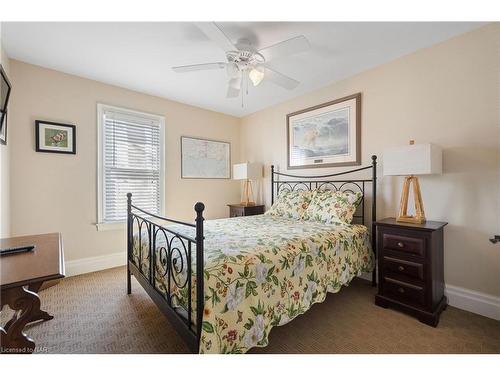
(172, 254)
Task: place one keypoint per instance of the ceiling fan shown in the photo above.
(245, 62)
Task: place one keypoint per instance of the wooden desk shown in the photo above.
(21, 276)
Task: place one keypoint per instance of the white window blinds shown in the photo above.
(131, 162)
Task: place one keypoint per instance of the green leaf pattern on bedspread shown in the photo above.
(291, 204)
(332, 206)
(263, 271)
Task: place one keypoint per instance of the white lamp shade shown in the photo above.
(247, 171)
(414, 159)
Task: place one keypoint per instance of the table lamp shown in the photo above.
(410, 161)
(247, 172)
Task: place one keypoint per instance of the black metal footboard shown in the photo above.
(162, 262)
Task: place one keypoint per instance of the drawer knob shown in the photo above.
(400, 244)
(401, 268)
(401, 290)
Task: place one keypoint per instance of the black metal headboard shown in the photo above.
(323, 182)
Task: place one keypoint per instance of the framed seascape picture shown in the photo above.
(326, 135)
(3, 130)
(55, 137)
(204, 158)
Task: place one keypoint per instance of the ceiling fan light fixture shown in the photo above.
(235, 83)
(256, 75)
(232, 69)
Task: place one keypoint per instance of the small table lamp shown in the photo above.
(410, 161)
(247, 172)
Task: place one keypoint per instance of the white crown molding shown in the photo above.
(92, 264)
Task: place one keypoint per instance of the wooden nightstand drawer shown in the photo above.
(405, 292)
(236, 210)
(254, 210)
(399, 267)
(403, 243)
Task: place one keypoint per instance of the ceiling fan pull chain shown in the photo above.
(246, 82)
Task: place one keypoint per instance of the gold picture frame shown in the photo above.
(326, 135)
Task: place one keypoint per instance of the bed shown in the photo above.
(225, 283)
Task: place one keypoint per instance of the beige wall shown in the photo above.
(55, 192)
(4, 162)
(447, 94)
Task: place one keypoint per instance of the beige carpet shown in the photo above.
(93, 314)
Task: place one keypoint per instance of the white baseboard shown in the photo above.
(473, 301)
(92, 264)
(466, 299)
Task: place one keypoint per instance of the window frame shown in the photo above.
(101, 108)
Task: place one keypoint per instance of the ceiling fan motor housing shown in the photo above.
(245, 59)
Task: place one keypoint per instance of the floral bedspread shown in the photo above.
(263, 271)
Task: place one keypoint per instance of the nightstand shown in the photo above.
(236, 210)
(410, 268)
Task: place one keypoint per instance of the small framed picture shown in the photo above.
(4, 96)
(55, 137)
(3, 130)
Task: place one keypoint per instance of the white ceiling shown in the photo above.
(139, 56)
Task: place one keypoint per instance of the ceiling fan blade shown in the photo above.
(215, 33)
(192, 68)
(286, 48)
(280, 79)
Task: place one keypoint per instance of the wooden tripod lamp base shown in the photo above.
(419, 216)
(247, 194)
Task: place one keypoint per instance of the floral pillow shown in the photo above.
(332, 206)
(291, 204)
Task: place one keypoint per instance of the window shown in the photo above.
(130, 159)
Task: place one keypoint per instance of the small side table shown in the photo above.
(21, 278)
(236, 210)
(410, 268)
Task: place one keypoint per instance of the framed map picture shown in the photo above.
(204, 158)
(326, 135)
(55, 137)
